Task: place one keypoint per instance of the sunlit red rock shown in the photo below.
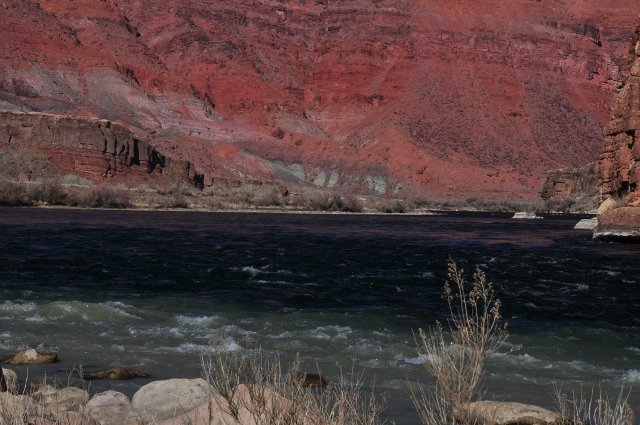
(619, 214)
(458, 99)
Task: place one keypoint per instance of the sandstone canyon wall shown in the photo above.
(619, 214)
(37, 145)
(572, 189)
(391, 97)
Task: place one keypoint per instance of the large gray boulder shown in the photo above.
(108, 408)
(504, 413)
(162, 401)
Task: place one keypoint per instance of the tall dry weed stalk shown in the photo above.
(594, 409)
(251, 388)
(457, 361)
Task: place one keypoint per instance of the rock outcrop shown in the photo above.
(572, 181)
(619, 215)
(382, 97)
(97, 149)
(572, 189)
(85, 146)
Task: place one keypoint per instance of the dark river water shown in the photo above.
(150, 289)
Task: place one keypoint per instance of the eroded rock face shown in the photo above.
(569, 181)
(102, 150)
(620, 161)
(460, 99)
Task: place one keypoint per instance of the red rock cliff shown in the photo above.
(619, 214)
(457, 98)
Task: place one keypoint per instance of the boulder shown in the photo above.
(69, 398)
(120, 373)
(108, 408)
(605, 206)
(132, 418)
(586, 224)
(620, 224)
(505, 413)
(160, 401)
(31, 356)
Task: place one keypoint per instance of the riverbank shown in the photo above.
(81, 193)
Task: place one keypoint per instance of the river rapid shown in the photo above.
(149, 290)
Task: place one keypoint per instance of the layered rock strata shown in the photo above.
(568, 181)
(619, 214)
(385, 97)
(88, 147)
(99, 150)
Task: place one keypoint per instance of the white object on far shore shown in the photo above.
(587, 224)
(525, 215)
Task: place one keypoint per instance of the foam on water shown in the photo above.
(75, 311)
(13, 308)
(251, 270)
(424, 358)
(631, 376)
(226, 345)
(200, 321)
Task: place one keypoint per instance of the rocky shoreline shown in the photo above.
(193, 402)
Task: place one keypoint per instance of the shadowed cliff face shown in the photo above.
(459, 98)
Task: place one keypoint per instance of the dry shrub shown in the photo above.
(320, 200)
(73, 180)
(457, 362)
(594, 409)
(389, 206)
(12, 194)
(479, 204)
(252, 388)
(268, 197)
(47, 191)
(574, 203)
(174, 200)
(103, 197)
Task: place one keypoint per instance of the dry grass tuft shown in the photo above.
(252, 388)
(594, 409)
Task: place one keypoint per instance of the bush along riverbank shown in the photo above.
(249, 387)
(75, 191)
